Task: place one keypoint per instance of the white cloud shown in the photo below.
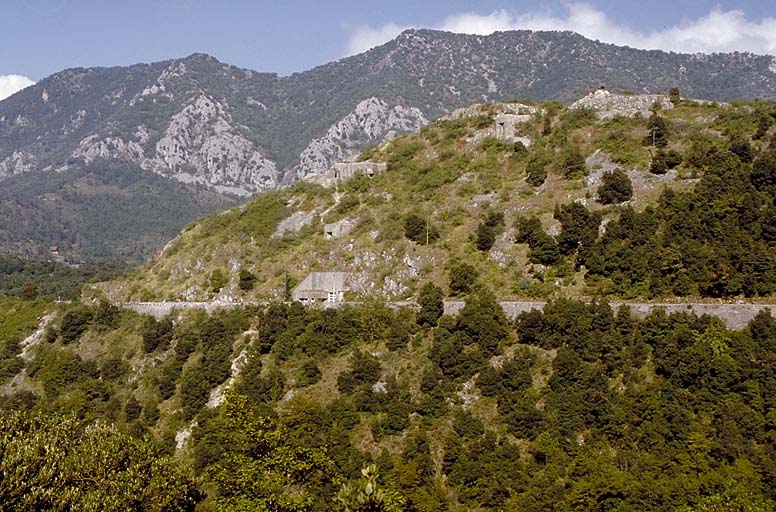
(716, 31)
(365, 37)
(11, 84)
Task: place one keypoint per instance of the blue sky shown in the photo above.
(40, 37)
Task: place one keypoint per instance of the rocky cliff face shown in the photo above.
(199, 145)
(199, 120)
(202, 142)
(372, 121)
(17, 162)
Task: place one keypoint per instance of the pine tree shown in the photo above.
(615, 187)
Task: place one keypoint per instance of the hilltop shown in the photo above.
(524, 213)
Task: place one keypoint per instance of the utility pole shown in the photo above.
(426, 230)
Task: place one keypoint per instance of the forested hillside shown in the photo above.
(30, 278)
(578, 407)
(107, 212)
(374, 406)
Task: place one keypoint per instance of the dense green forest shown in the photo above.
(25, 278)
(577, 407)
(717, 240)
(105, 212)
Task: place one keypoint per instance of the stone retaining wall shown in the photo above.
(735, 316)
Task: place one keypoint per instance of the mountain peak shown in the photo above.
(200, 57)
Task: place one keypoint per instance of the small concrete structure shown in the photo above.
(346, 170)
(505, 124)
(337, 229)
(322, 287)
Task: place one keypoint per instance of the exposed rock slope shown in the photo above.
(200, 121)
(371, 121)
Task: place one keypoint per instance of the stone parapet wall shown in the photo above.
(734, 315)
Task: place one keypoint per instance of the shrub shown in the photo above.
(194, 391)
(658, 131)
(572, 163)
(527, 228)
(419, 230)
(463, 278)
(106, 315)
(664, 160)
(742, 148)
(309, 373)
(579, 229)
(247, 280)
(485, 237)
(365, 369)
(156, 334)
(132, 409)
(763, 175)
(347, 203)
(482, 320)
(673, 96)
(398, 335)
(401, 153)
(615, 187)
(74, 323)
(217, 280)
(544, 250)
(431, 302)
(536, 169)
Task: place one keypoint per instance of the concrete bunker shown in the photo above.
(337, 229)
(346, 170)
(322, 287)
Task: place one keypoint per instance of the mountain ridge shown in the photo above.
(237, 131)
(419, 47)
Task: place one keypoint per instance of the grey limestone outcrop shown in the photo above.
(201, 144)
(18, 162)
(608, 105)
(373, 120)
